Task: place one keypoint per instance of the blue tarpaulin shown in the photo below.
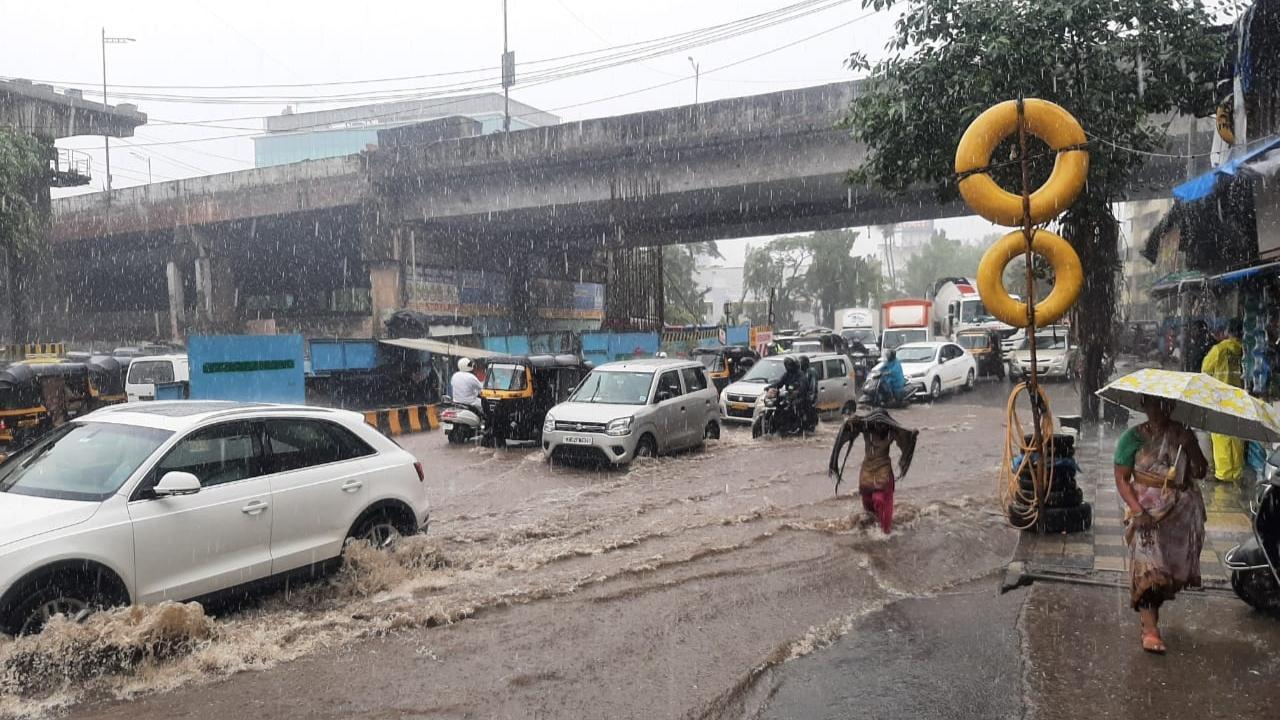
(1202, 186)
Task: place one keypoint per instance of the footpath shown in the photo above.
(1097, 555)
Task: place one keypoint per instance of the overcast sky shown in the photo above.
(235, 42)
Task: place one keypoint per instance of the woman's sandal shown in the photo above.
(1152, 643)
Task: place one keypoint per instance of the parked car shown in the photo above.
(938, 367)
(147, 372)
(836, 386)
(181, 500)
(1055, 356)
(634, 408)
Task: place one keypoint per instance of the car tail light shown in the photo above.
(422, 475)
(448, 415)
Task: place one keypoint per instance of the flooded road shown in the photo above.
(668, 589)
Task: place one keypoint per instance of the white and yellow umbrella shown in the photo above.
(1201, 402)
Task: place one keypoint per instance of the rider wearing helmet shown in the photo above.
(894, 381)
(465, 386)
(792, 376)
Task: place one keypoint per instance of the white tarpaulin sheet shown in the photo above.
(441, 347)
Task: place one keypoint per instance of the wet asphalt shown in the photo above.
(731, 583)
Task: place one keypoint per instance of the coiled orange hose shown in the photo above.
(1010, 490)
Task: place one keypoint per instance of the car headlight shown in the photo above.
(619, 426)
(549, 424)
(918, 375)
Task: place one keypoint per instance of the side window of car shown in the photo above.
(836, 368)
(216, 455)
(294, 444)
(350, 446)
(817, 368)
(669, 382)
(695, 379)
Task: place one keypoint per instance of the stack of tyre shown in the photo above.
(1065, 510)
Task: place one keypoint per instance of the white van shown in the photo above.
(147, 372)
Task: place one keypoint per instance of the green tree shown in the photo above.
(24, 211)
(835, 279)
(684, 299)
(1119, 67)
(778, 267)
(940, 257)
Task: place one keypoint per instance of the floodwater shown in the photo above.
(668, 589)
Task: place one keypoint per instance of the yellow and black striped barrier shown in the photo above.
(402, 420)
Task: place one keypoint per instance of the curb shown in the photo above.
(404, 420)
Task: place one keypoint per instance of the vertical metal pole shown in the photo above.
(1028, 233)
(106, 139)
(506, 87)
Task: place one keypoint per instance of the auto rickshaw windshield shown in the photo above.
(503, 376)
(974, 341)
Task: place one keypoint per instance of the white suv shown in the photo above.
(634, 408)
(178, 500)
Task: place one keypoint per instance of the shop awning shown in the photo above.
(440, 347)
(1263, 161)
(1176, 283)
(1236, 276)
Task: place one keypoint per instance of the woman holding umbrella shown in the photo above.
(1156, 464)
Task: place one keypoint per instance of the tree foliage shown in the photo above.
(23, 169)
(940, 257)
(684, 299)
(1119, 67)
(817, 270)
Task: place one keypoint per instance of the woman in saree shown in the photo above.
(1156, 466)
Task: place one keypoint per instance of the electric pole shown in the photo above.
(508, 73)
(106, 138)
(697, 77)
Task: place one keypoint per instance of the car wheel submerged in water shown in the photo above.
(73, 595)
(712, 431)
(969, 381)
(646, 447)
(935, 389)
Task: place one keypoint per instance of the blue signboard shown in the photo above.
(249, 368)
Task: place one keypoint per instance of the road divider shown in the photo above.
(404, 420)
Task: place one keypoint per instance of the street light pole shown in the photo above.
(697, 77)
(508, 73)
(106, 138)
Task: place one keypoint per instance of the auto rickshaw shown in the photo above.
(726, 363)
(519, 390)
(106, 380)
(984, 346)
(39, 396)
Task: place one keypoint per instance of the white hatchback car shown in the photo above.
(938, 366)
(632, 408)
(836, 387)
(180, 500)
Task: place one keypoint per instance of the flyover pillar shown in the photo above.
(177, 304)
(384, 247)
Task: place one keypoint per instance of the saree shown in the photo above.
(1165, 557)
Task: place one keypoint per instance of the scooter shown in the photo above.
(776, 414)
(873, 396)
(461, 423)
(1253, 564)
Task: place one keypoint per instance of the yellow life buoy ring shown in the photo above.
(1068, 278)
(1047, 121)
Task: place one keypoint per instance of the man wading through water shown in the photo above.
(875, 480)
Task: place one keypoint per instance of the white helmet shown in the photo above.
(464, 364)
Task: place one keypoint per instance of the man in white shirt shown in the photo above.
(465, 386)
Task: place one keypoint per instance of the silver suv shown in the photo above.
(836, 391)
(634, 408)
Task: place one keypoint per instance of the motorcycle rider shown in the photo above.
(465, 386)
(811, 397)
(893, 382)
(796, 379)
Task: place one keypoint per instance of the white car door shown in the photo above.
(952, 372)
(319, 475)
(219, 537)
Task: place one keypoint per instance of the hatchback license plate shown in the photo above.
(739, 406)
(577, 440)
(446, 426)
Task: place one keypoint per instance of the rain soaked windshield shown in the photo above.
(505, 377)
(768, 370)
(894, 338)
(1045, 342)
(916, 354)
(973, 342)
(614, 387)
(80, 461)
(150, 372)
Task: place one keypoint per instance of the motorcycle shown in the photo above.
(777, 414)
(862, 364)
(1253, 564)
(875, 394)
(461, 423)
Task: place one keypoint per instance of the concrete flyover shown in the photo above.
(541, 202)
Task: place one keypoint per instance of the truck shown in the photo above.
(861, 324)
(958, 306)
(905, 321)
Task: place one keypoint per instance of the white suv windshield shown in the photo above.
(80, 461)
(612, 387)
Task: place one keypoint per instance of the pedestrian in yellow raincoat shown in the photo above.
(1223, 363)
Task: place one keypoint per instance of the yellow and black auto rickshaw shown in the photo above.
(725, 363)
(984, 345)
(39, 395)
(519, 390)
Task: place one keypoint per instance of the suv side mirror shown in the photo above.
(177, 483)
